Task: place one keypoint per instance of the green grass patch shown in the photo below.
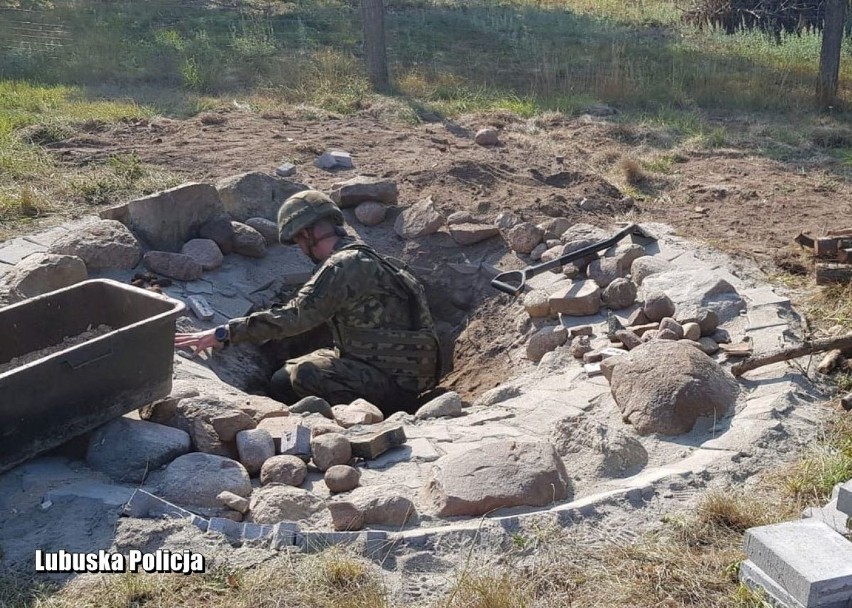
(826, 464)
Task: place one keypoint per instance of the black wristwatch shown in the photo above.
(222, 334)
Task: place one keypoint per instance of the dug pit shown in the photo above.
(603, 387)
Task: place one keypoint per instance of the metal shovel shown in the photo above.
(513, 281)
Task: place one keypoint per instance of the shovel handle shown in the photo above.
(511, 282)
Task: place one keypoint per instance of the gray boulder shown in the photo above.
(470, 234)
(212, 424)
(360, 189)
(167, 219)
(247, 241)
(275, 503)
(619, 294)
(41, 273)
(265, 227)
(545, 340)
(524, 237)
(371, 213)
(448, 404)
(330, 449)
(342, 478)
(643, 267)
(101, 245)
(255, 194)
(196, 480)
(665, 386)
(420, 219)
(255, 447)
(175, 265)
(126, 449)
(287, 470)
(496, 475)
(204, 251)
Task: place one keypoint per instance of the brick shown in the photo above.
(375, 444)
(805, 558)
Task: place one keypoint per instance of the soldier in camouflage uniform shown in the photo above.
(386, 349)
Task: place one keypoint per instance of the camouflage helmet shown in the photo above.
(304, 209)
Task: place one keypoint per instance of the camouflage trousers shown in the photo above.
(339, 380)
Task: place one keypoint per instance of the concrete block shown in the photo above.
(147, 506)
(757, 580)
(830, 515)
(297, 442)
(285, 535)
(844, 498)
(232, 530)
(807, 559)
(319, 541)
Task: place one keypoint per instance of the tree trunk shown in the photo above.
(375, 51)
(829, 59)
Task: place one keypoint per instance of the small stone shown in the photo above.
(173, 265)
(721, 336)
(267, 228)
(470, 234)
(448, 404)
(593, 356)
(554, 228)
(220, 231)
(643, 267)
(371, 213)
(285, 170)
(650, 335)
(374, 414)
(637, 317)
(234, 501)
(289, 470)
(334, 159)
(640, 330)
(205, 252)
(228, 423)
(535, 254)
(666, 334)
(581, 346)
(628, 338)
(312, 405)
(608, 365)
(487, 137)
(233, 515)
(506, 220)
(581, 298)
(330, 449)
(604, 271)
(657, 306)
(673, 326)
(342, 478)
(707, 320)
(619, 294)
(345, 516)
(460, 217)
(545, 340)
(537, 303)
(708, 345)
(421, 219)
(361, 189)
(248, 241)
(524, 237)
(691, 331)
(580, 330)
(346, 416)
(255, 447)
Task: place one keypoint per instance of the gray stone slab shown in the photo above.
(768, 339)
(761, 296)
(765, 316)
(230, 308)
(48, 237)
(200, 286)
(94, 490)
(806, 558)
(15, 250)
(145, 505)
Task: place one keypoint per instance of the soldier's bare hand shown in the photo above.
(197, 341)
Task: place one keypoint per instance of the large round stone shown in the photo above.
(288, 470)
(330, 449)
(195, 480)
(501, 474)
(101, 245)
(665, 386)
(342, 478)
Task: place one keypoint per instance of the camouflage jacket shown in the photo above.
(351, 291)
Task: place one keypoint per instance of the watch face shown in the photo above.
(221, 333)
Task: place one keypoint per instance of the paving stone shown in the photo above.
(17, 249)
(765, 316)
(145, 505)
(844, 498)
(806, 558)
(285, 535)
(768, 339)
(757, 580)
(761, 296)
(230, 308)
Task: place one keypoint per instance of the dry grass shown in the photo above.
(827, 463)
(632, 171)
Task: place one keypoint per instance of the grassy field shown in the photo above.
(68, 63)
